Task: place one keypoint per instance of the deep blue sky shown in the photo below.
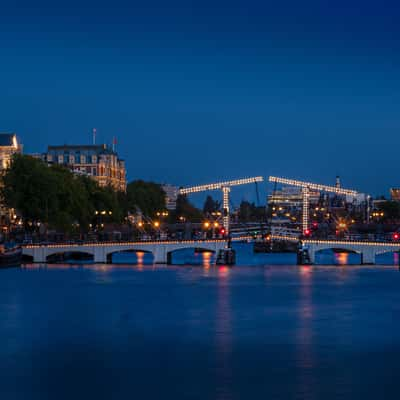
(198, 91)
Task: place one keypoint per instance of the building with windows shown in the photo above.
(291, 198)
(395, 194)
(97, 161)
(8, 147)
(171, 195)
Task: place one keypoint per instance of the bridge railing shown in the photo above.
(120, 242)
(107, 238)
(359, 237)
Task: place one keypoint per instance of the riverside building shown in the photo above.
(8, 147)
(291, 198)
(171, 195)
(99, 162)
(395, 194)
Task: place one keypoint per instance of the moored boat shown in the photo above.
(226, 257)
(10, 257)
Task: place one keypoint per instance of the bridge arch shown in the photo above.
(388, 257)
(194, 255)
(142, 256)
(337, 255)
(70, 256)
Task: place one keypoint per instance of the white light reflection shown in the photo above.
(224, 336)
(304, 337)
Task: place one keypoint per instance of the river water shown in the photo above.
(264, 329)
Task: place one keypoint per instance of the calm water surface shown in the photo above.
(276, 331)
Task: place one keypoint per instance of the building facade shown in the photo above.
(171, 195)
(291, 198)
(8, 147)
(97, 161)
(395, 194)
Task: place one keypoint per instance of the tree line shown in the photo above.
(55, 196)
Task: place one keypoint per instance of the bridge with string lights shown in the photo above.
(102, 252)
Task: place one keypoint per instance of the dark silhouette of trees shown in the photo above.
(186, 210)
(146, 197)
(211, 206)
(55, 196)
(249, 212)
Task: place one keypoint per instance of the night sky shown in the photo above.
(202, 91)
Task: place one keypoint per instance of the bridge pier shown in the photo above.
(311, 254)
(40, 255)
(100, 255)
(160, 255)
(368, 256)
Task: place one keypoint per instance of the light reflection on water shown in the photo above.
(224, 335)
(304, 337)
(329, 257)
(342, 258)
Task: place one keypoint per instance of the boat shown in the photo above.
(10, 257)
(226, 257)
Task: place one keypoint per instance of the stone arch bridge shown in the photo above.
(102, 252)
(367, 249)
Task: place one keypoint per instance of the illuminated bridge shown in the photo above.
(367, 249)
(102, 252)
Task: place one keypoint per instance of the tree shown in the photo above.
(187, 210)
(211, 205)
(245, 211)
(250, 212)
(55, 196)
(391, 210)
(73, 200)
(29, 186)
(147, 197)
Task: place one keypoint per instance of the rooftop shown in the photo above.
(98, 148)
